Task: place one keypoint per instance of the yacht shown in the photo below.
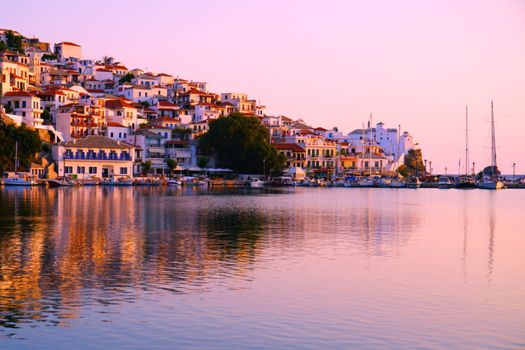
(367, 182)
(492, 181)
(444, 182)
(19, 180)
(413, 182)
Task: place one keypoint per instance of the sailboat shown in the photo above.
(19, 179)
(368, 181)
(466, 181)
(492, 182)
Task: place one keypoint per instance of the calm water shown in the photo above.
(294, 268)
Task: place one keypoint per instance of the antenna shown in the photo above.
(494, 162)
(467, 162)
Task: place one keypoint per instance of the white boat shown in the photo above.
(396, 183)
(413, 183)
(19, 180)
(256, 183)
(367, 182)
(444, 182)
(173, 182)
(492, 182)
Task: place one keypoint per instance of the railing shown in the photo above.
(97, 157)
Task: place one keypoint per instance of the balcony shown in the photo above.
(117, 157)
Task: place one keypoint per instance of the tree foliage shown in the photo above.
(146, 167)
(14, 41)
(29, 145)
(202, 161)
(172, 164)
(414, 162)
(241, 143)
(46, 116)
(126, 79)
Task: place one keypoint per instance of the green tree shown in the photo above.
(242, 144)
(49, 57)
(202, 161)
(402, 170)
(29, 145)
(146, 167)
(414, 162)
(46, 116)
(14, 42)
(126, 79)
(172, 164)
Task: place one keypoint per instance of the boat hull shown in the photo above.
(492, 185)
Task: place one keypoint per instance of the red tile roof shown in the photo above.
(19, 94)
(69, 43)
(289, 146)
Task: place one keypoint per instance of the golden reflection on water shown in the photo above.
(62, 250)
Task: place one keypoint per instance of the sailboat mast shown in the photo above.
(16, 156)
(493, 129)
(370, 146)
(467, 162)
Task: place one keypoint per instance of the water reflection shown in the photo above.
(61, 249)
(367, 262)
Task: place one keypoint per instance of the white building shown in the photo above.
(94, 155)
(67, 50)
(25, 105)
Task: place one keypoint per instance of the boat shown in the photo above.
(173, 182)
(19, 179)
(466, 181)
(397, 183)
(367, 182)
(59, 182)
(91, 181)
(492, 181)
(384, 182)
(147, 181)
(444, 182)
(413, 182)
(120, 181)
(192, 181)
(256, 183)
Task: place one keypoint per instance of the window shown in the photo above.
(81, 170)
(68, 170)
(111, 134)
(92, 169)
(123, 171)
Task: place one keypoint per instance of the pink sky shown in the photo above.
(414, 63)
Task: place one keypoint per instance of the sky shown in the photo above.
(414, 63)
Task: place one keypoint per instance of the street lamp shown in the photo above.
(430, 162)
(474, 168)
(425, 166)
(513, 171)
(264, 168)
(445, 170)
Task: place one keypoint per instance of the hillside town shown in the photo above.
(104, 119)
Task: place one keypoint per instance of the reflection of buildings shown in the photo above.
(65, 248)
